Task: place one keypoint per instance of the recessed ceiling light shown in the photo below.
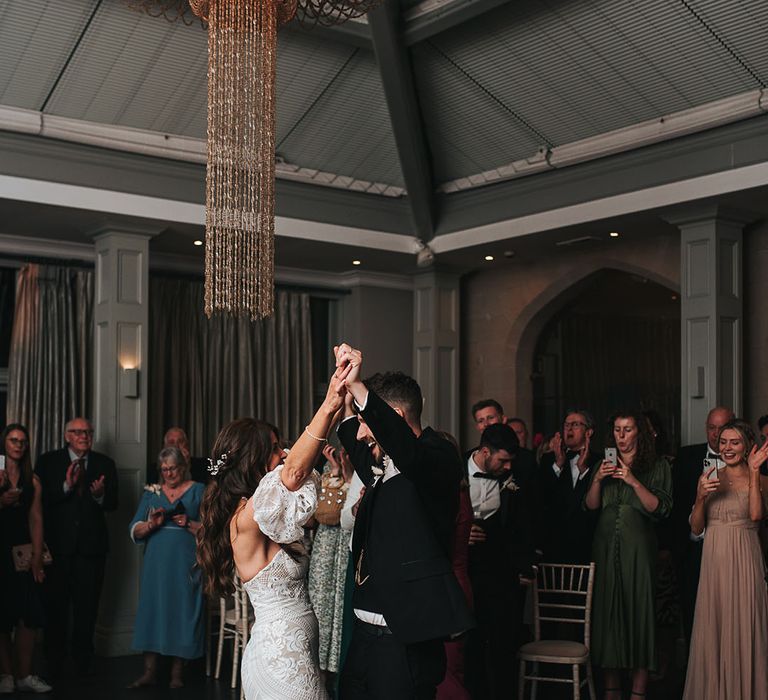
(356, 262)
(198, 242)
(614, 234)
(489, 258)
(509, 253)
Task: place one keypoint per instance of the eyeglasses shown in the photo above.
(574, 424)
(169, 470)
(79, 432)
(18, 441)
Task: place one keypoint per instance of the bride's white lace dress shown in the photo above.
(280, 661)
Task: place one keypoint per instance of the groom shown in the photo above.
(406, 600)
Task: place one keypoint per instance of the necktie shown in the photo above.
(81, 484)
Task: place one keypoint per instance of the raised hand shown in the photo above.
(706, 485)
(624, 472)
(73, 475)
(346, 355)
(97, 487)
(606, 469)
(329, 452)
(757, 456)
(337, 389)
(557, 448)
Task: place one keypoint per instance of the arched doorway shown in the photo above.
(615, 343)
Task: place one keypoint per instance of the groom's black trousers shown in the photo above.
(378, 667)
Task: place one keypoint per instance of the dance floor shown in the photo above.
(111, 676)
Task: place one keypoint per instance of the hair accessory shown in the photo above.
(213, 468)
(314, 437)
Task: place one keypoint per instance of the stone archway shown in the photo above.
(528, 326)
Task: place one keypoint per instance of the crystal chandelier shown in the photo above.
(240, 178)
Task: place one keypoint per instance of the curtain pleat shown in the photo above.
(206, 372)
(49, 368)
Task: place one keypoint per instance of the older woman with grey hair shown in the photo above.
(169, 619)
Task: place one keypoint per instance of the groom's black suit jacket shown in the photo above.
(405, 528)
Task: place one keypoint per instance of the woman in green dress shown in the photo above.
(632, 494)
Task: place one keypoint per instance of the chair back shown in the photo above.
(562, 594)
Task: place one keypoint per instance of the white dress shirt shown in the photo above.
(576, 475)
(485, 493)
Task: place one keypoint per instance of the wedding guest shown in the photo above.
(177, 437)
(79, 487)
(729, 644)
(565, 529)
(521, 430)
(21, 524)
(687, 549)
(500, 553)
(330, 556)
(169, 619)
(631, 496)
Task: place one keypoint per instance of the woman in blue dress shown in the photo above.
(169, 620)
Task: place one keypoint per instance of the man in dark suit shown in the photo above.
(688, 468)
(79, 486)
(565, 527)
(500, 553)
(406, 598)
(198, 466)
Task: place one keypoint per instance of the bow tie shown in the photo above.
(483, 475)
(570, 454)
(713, 455)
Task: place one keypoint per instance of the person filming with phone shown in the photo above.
(632, 489)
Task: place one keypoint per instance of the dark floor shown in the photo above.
(112, 675)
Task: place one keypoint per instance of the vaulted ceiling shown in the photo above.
(423, 103)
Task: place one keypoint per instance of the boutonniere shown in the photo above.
(510, 484)
(153, 488)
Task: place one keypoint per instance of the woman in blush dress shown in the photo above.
(252, 517)
(729, 643)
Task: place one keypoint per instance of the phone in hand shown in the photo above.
(709, 464)
(612, 456)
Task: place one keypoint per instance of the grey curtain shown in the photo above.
(49, 367)
(204, 373)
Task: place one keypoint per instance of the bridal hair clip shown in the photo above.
(213, 468)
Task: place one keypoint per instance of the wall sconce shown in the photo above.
(129, 383)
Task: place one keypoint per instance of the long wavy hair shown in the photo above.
(25, 465)
(243, 449)
(645, 457)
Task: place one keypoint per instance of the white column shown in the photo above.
(711, 313)
(120, 415)
(436, 348)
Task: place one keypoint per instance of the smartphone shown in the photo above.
(611, 456)
(709, 464)
(2, 463)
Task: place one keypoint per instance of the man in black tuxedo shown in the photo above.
(565, 527)
(406, 599)
(198, 466)
(500, 553)
(490, 412)
(688, 468)
(79, 486)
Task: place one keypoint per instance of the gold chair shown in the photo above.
(562, 595)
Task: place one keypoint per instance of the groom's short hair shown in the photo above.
(399, 391)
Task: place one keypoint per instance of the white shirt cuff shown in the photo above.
(364, 404)
(556, 469)
(67, 488)
(99, 500)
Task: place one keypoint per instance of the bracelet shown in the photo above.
(314, 437)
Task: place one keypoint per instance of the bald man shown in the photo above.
(689, 465)
(177, 437)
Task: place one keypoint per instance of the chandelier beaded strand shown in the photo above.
(240, 178)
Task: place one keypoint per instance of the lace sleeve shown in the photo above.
(281, 513)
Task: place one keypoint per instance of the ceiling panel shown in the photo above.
(137, 71)
(570, 70)
(35, 40)
(347, 130)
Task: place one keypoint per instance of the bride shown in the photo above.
(252, 516)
